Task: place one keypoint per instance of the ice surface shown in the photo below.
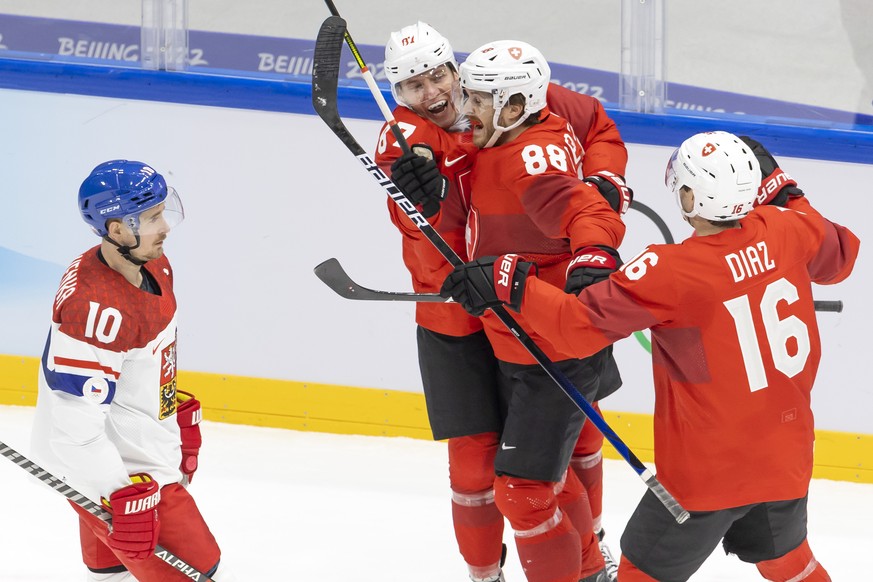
(304, 506)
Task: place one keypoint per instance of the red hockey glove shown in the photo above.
(776, 186)
(590, 265)
(613, 188)
(488, 282)
(135, 523)
(418, 177)
(189, 415)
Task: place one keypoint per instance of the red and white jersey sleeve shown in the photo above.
(735, 349)
(454, 154)
(601, 141)
(106, 406)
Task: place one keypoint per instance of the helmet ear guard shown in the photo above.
(721, 170)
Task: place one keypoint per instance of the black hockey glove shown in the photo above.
(488, 282)
(776, 186)
(613, 188)
(591, 265)
(419, 178)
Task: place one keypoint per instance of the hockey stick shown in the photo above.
(325, 74)
(371, 83)
(834, 306)
(332, 274)
(164, 554)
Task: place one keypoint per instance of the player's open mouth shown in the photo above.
(438, 107)
(475, 123)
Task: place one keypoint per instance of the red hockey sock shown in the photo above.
(798, 565)
(548, 545)
(627, 572)
(587, 463)
(479, 531)
(546, 557)
(477, 521)
(573, 501)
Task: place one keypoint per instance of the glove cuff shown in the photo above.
(142, 495)
(773, 185)
(613, 188)
(188, 410)
(597, 256)
(510, 273)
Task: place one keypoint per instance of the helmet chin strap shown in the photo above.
(499, 129)
(685, 214)
(124, 250)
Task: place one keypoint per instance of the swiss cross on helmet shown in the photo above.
(722, 171)
(122, 189)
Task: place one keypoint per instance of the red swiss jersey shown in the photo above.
(601, 149)
(528, 199)
(602, 145)
(454, 154)
(735, 348)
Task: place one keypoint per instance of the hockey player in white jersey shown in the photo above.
(109, 418)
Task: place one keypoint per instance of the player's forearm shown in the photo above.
(597, 225)
(560, 318)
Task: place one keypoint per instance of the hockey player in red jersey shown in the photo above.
(528, 198)
(735, 349)
(110, 420)
(459, 370)
(457, 363)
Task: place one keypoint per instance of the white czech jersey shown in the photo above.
(106, 407)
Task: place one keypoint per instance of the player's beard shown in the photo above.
(482, 131)
(155, 250)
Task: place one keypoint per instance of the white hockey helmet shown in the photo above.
(504, 68)
(721, 170)
(413, 50)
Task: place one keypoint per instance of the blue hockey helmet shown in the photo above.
(123, 189)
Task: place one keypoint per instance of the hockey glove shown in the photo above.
(613, 188)
(418, 177)
(135, 523)
(488, 282)
(590, 265)
(189, 415)
(776, 186)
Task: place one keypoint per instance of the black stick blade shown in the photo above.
(325, 78)
(333, 275)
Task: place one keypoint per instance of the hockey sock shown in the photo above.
(548, 544)
(479, 531)
(573, 501)
(545, 557)
(587, 463)
(627, 572)
(589, 470)
(477, 521)
(797, 565)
